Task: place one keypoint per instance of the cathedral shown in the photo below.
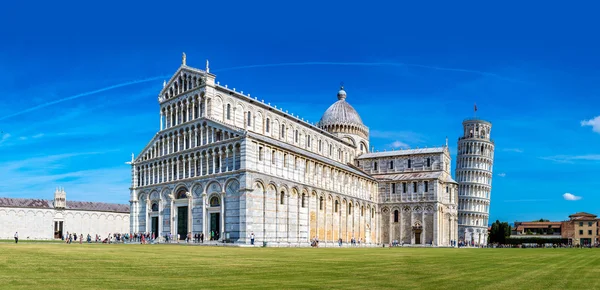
(230, 166)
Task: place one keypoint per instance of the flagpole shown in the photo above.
(475, 110)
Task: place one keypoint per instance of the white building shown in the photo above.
(474, 163)
(228, 165)
(40, 219)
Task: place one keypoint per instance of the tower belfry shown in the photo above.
(60, 198)
(474, 164)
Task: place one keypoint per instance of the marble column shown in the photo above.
(222, 215)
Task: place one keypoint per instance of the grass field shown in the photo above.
(60, 266)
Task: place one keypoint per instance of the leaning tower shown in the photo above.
(474, 163)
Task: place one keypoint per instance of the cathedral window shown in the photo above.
(426, 186)
(392, 164)
(404, 187)
(372, 213)
(362, 210)
(321, 203)
(249, 118)
(308, 141)
(337, 203)
(284, 160)
(375, 165)
(260, 153)
(303, 200)
(446, 189)
(330, 149)
(282, 198)
(296, 136)
(295, 162)
(396, 216)
(349, 209)
(154, 207)
(320, 146)
(228, 112)
(393, 188)
(273, 157)
(414, 187)
(409, 163)
(428, 162)
(282, 130)
(267, 125)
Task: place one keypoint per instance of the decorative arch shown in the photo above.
(213, 186)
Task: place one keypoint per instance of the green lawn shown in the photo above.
(97, 266)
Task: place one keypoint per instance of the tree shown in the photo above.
(499, 232)
(542, 220)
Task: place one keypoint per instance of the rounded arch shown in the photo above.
(232, 186)
(213, 186)
(181, 191)
(295, 191)
(197, 189)
(349, 139)
(154, 195)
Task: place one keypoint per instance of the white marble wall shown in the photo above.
(38, 224)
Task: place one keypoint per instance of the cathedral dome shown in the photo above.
(341, 113)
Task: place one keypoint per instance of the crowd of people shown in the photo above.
(142, 238)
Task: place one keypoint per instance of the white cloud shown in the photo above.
(37, 176)
(38, 135)
(399, 144)
(569, 196)
(516, 150)
(572, 158)
(502, 174)
(4, 137)
(594, 123)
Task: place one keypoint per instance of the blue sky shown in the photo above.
(412, 70)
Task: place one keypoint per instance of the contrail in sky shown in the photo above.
(82, 95)
(396, 64)
(393, 64)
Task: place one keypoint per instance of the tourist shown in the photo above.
(16, 237)
(340, 242)
(202, 237)
(252, 239)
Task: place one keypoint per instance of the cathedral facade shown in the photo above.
(228, 165)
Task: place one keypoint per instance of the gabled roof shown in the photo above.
(98, 206)
(74, 205)
(309, 154)
(25, 202)
(411, 176)
(582, 214)
(182, 68)
(211, 121)
(402, 152)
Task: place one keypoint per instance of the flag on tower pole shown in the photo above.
(475, 110)
(475, 107)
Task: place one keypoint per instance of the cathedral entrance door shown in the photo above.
(155, 226)
(182, 222)
(215, 225)
(417, 237)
